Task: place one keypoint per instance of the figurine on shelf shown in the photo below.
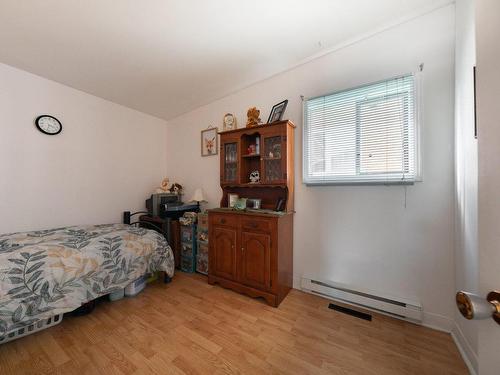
(164, 186)
(253, 117)
(255, 177)
(229, 122)
(176, 188)
(277, 150)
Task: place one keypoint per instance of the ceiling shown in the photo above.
(167, 57)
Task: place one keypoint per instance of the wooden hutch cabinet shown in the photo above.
(251, 251)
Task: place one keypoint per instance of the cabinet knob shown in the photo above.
(223, 221)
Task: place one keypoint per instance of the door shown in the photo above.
(255, 260)
(488, 125)
(229, 168)
(223, 254)
(273, 159)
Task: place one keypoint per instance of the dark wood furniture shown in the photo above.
(175, 241)
(151, 222)
(172, 230)
(274, 163)
(251, 251)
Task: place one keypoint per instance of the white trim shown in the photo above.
(296, 282)
(430, 320)
(466, 351)
(437, 322)
(419, 126)
(402, 308)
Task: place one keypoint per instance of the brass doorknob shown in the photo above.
(472, 306)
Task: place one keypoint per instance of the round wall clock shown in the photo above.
(48, 124)
(229, 122)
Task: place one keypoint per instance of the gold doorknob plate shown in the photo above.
(494, 298)
(472, 306)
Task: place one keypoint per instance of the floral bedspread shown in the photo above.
(49, 272)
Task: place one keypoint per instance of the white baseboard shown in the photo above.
(468, 355)
(438, 322)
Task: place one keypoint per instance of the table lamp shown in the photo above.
(198, 197)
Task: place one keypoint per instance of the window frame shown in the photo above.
(417, 103)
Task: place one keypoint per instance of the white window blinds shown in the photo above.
(362, 135)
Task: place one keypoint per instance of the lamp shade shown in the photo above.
(198, 196)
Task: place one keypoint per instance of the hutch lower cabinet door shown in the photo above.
(255, 260)
(251, 253)
(223, 257)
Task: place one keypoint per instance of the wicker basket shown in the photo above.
(32, 328)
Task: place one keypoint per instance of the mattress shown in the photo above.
(49, 272)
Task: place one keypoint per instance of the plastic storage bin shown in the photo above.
(32, 328)
(186, 233)
(117, 295)
(135, 287)
(202, 245)
(188, 264)
(202, 264)
(187, 250)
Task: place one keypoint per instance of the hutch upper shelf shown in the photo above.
(266, 150)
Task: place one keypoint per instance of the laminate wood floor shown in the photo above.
(190, 327)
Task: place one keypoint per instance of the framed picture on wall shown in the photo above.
(209, 142)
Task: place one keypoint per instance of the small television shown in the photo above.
(153, 204)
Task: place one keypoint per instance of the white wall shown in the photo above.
(107, 159)
(466, 258)
(362, 236)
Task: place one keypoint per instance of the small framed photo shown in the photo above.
(229, 122)
(209, 142)
(277, 112)
(232, 198)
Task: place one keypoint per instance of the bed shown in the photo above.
(50, 272)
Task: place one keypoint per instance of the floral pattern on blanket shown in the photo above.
(45, 273)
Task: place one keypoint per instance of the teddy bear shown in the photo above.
(253, 117)
(164, 186)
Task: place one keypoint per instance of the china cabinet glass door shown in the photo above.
(272, 158)
(231, 162)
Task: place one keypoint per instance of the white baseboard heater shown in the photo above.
(395, 307)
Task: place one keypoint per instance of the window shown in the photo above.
(363, 135)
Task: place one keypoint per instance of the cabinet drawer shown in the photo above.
(186, 233)
(256, 224)
(202, 263)
(188, 264)
(227, 220)
(202, 220)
